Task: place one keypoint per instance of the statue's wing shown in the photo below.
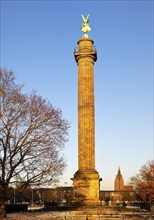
(83, 18)
(87, 18)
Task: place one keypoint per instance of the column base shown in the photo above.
(86, 188)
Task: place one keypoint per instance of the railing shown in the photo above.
(91, 48)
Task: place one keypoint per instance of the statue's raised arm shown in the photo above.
(85, 26)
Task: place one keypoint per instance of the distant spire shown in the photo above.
(119, 171)
(119, 182)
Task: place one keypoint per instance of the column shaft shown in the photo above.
(86, 124)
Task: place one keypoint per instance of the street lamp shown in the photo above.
(32, 197)
(14, 196)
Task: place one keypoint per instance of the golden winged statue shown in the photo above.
(85, 26)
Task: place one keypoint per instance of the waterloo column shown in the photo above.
(86, 181)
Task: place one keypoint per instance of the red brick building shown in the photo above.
(121, 192)
(119, 181)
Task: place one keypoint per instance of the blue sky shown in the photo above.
(37, 43)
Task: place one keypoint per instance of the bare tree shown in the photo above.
(32, 135)
(144, 182)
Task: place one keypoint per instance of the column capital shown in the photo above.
(85, 49)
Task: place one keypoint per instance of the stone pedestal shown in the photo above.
(86, 181)
(86, 188)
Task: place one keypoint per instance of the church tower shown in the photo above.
(119, 181)
(86, 181)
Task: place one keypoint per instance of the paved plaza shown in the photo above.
(80, 215)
